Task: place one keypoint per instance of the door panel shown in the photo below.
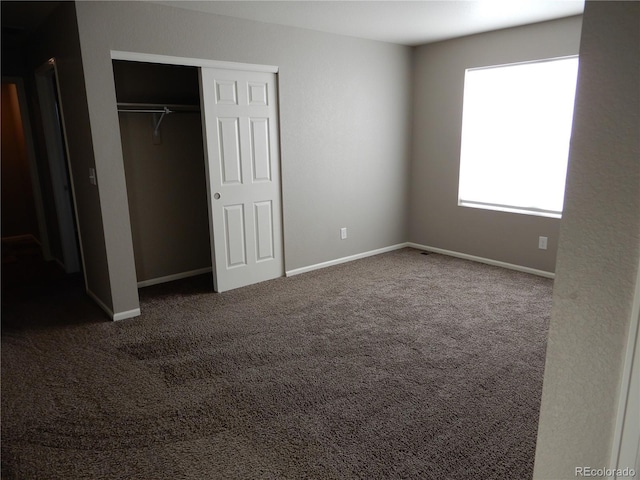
(261, 159)
(264, 230)
(229, 138)
(258, 93)
(235, 236)
(243, 173)
(226, 92)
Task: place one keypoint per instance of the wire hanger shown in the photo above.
(165, 111)
(156, 111)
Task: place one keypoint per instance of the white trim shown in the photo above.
(627, 415)
(504, 208)
(418, 246)
(175, 276)
(487, 261)
(59, 160)
(337, 261)
(113, 316)
(191, 62)
(125, 315)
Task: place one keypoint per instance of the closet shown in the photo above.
(162, 146)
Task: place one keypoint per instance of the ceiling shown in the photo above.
(395, 21)
(399, 21)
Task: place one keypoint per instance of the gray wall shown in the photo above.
(599, 249)
(436, 220)
(58, 37)
(344, 125)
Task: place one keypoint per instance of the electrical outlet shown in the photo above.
(542, 243)
(343, 233)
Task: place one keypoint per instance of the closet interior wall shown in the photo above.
(165, 173)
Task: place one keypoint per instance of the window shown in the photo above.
(516, 128)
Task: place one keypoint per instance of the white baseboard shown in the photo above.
(337, 261)
(113, 316)
(170, 278)
(487, 261)
(127, 314)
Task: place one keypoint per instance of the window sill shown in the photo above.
(508, 209)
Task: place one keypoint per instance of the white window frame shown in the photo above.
(469, 155)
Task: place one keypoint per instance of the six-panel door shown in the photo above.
(243, 174)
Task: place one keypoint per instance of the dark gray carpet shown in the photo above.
(396, 366)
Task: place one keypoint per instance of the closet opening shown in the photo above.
(164, 161)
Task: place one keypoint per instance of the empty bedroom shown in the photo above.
(328, 240)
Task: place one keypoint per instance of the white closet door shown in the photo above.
(243, 173)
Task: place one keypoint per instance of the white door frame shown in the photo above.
(625, 452)
(33, 165)
(60, 169)
(203, 63)
(190, 62)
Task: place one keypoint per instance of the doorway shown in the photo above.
(66, 244)
(33, 259)
(19, 210)
(22, 209)
(162, 149)
(240, 163)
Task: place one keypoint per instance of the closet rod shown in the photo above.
(146, 110)
(159, 112)
(163, 111)
(156, 107)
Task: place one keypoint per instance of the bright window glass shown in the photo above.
(516, 128)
